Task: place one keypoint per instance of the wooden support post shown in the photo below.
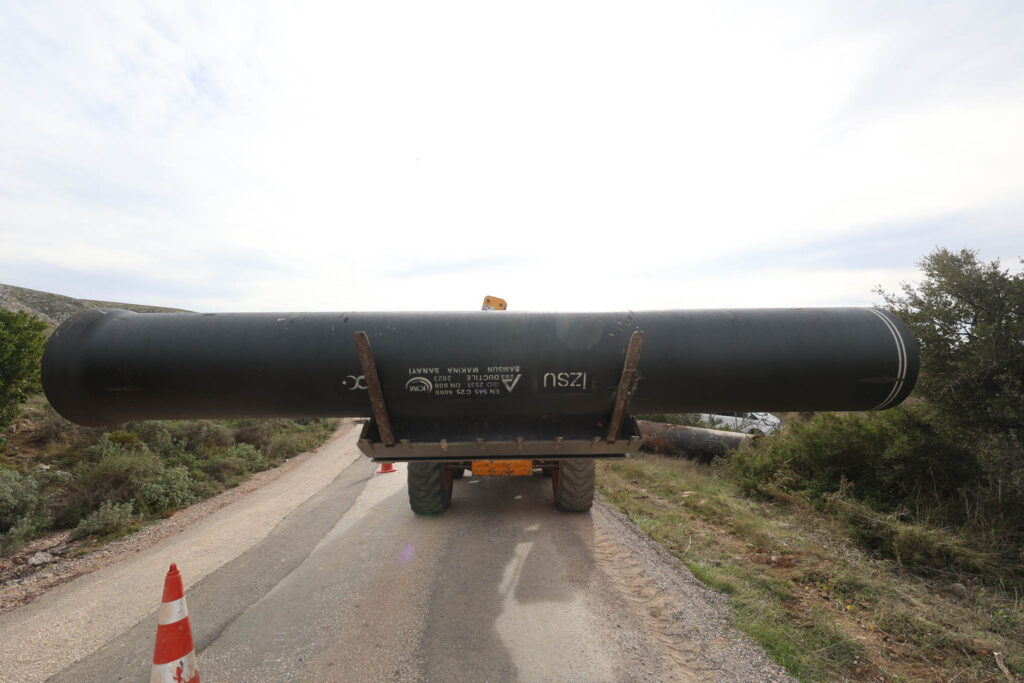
(380, 410)
(626, 385)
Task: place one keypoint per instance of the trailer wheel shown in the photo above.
(430, 487)
(573, 483)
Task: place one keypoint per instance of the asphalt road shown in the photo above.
(350, 585)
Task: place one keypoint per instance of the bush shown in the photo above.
(1000, 456)
(289, 444)
(187, 460)
(903, 485)
(68, 515)
(203, 437)
(257, 433)
(286, 444)
(155, 467)
(157, 438)
(21, 347)
(19, 498)
(163, 445)
(119, 476)
(895, 460)
(207, 488)
(255, 459)
(229, 470)
(110, 519)
(124, 438)
(22, 510)
(171, 491)
(21, 533)
(116, 443)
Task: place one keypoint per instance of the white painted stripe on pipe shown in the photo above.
(172, 612)
(901, 365)
(901, 356)
(904, 359)
(184, 669)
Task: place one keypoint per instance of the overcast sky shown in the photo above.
(223, 156)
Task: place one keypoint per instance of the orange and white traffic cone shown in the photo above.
(386, 468)
(174, 656)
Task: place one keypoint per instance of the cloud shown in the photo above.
(946, 51)
(443, 266)
(233, 155)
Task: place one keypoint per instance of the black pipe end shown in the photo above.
(908, 360)
(65, 363)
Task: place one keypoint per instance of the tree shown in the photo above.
(968, 317)
(21, 348)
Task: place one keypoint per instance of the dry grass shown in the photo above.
(802, 586)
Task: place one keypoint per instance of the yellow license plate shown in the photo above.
(502, 468)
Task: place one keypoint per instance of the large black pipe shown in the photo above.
(695, 442)
(108, 366)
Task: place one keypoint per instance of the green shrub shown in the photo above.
(187, 460)
(229, 470)
(206, 488)
(203, 437)
(282, 439)
(895, 460)
(119, 476)
(158, 438)
(110, 519)
(22, 510)
(1000, 502)
(257, 461)
(127, 439)
(19, 498)
(68, 515)
(115, 443)
(18, 535)
(257, 433)
(21, 346)
(51, 477)
(288, 444)
(171, 491)
(156, 467)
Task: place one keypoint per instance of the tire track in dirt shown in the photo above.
(689, 623)
(648, 605)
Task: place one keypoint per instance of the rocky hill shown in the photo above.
(56, 308)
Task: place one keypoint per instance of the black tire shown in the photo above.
(573, 483)
(430, 487)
